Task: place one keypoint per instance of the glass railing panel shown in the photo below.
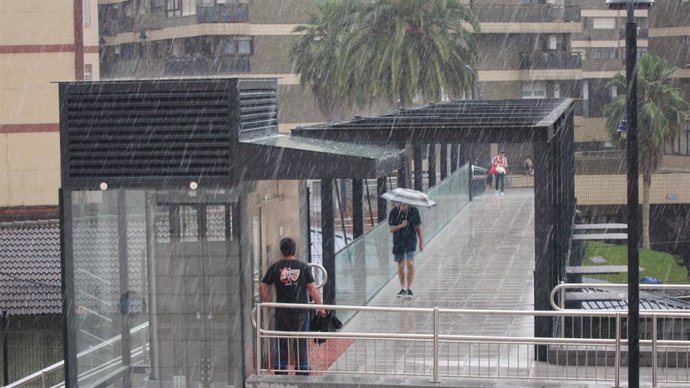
(366, 265)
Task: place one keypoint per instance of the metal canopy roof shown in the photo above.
(292, 157)
(466, 121)
(212, 131)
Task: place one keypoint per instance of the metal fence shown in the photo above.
(99, 363)
(443, 350)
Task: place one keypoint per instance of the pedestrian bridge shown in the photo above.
(471, 321)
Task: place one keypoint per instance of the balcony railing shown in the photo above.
(237, 13)
(550, 60)
(193, 65)
(526, 13)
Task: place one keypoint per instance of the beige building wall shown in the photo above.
(29, 169)
(611, 189)
(591, 129)
(36, 50)
(32, 22)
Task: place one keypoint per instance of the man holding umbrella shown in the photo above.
(406, 226)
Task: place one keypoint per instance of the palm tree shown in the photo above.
(314, 55)
(660, 116)
(402, 49)
(360, 51)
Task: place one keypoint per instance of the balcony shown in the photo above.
(237, 13)
(550, 60)
(526, 13)
(199, 65)
(117, 25)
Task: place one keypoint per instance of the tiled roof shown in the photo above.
(96, 263)
(30, 267)
(30, 278)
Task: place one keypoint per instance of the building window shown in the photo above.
(244, 47)
(236, 47)
(180, 8)
(533, 89)
(86, 8)
(173, 8)
(603, 23)
(603, 53)
(581, 52)
(178, 48)
(88, 72)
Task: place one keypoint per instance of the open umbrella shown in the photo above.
(410, 197)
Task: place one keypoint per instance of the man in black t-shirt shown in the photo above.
(406, 226)
(292, 280)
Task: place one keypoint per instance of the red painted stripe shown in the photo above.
(91, 49)
(26, 128)
(26, 213)
(37, 49)
(79, 40)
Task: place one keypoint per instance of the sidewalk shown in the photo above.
(483, 259)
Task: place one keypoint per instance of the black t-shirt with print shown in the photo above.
(404, 240)
(290, 278)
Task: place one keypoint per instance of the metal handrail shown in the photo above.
(40, 375)
(323, 271)
(435, 337)
(561, 288)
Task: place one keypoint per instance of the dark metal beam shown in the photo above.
(633, 204)
(543, 216)
(432, 165)
(70, 320)
(444, 161)
(125, 313)
(328, 239)
(454, 157)
(357, 207)
(381, 204)
(418, 167)
(5, 348)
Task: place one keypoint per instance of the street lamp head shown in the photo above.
(623, 4)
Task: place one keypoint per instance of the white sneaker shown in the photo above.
(496, 192)
(502, 193)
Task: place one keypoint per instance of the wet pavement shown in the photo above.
(484, 260)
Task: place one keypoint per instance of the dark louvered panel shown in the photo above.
(157, 131)
(258, 108)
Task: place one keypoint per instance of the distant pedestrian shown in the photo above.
(500, 163)
(406, 226)
(292, 280)
(529, 167)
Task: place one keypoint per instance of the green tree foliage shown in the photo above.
(357, 52)
(660, 119)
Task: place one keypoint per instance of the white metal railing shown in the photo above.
(42, 375)
(562, 288)
(444, 349)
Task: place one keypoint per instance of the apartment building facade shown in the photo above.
(40, 43)
(529, 50)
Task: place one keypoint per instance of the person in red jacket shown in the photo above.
(501, 163)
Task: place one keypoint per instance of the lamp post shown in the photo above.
(633, 190)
